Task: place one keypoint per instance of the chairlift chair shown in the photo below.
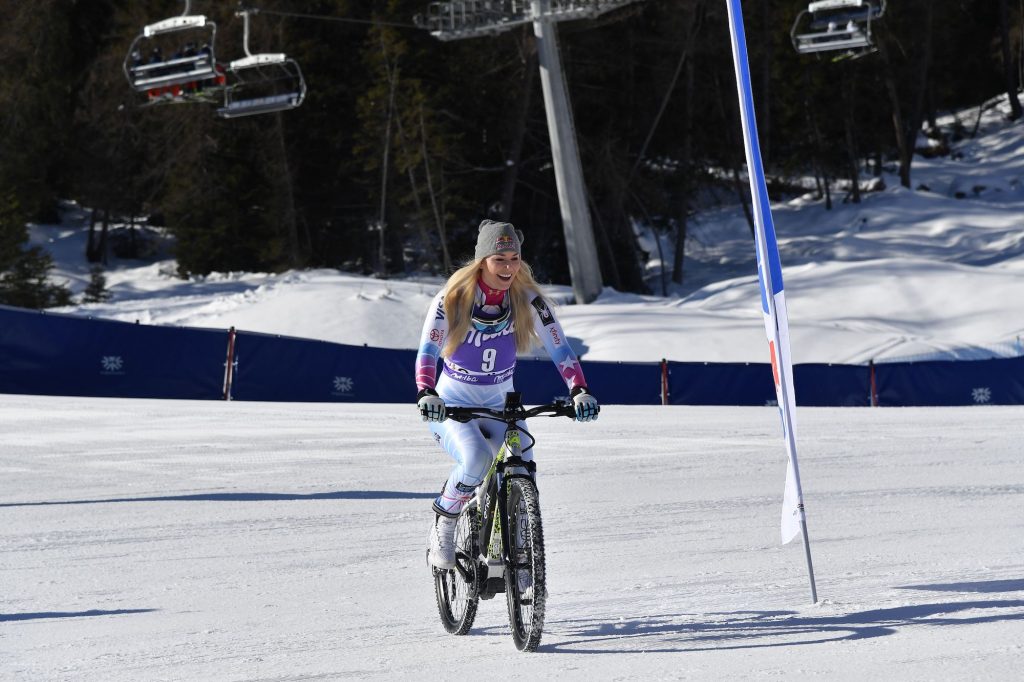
(173, 56)
(261, 83)
(837, 25)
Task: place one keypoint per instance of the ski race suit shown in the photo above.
(479, 374)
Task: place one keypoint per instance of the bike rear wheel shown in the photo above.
(457, 589)
(525, 587)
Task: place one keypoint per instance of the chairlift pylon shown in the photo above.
(191, 66)
(837, 25)
(261, 83)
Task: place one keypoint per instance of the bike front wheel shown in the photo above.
(525, 587)
(457, 589)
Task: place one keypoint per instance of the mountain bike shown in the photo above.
(499, 540)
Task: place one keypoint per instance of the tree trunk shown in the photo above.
(851, 153)
(848, 125)
(133, 237)
(688, 125)
(897, 112)
(428, 248)
(612, 269)
(102, 246)
(741, 192)
(678, 258)
(511, 179)
(764, 110)
(922, 80)
(657, 243)
(1009, 72)
(907, 127)
(382, 252)
(291, 227)
(91, 252)
(438, 214)
(684, 63)
(812, 123)
(731, 121)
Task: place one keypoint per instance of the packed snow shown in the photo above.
(202, 540)
(177, 540)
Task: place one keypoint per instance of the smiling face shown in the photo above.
(498, 271)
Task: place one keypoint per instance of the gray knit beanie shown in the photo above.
(495, 237)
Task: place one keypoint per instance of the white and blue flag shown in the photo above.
(769, 273)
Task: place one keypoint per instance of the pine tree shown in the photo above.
(96, 291)
(24, 272)
(25, 283)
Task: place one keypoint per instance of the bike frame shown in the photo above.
(490, 504)
(492, 507)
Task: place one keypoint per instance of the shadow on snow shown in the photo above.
(243, 497)
(977, 586)
(9, 617)
(763, 629)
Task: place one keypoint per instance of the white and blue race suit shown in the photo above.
(479, 374)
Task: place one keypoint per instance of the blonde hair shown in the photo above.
(460, 295)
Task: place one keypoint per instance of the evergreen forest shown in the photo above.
(405, 142)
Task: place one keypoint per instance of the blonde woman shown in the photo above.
(488, 310)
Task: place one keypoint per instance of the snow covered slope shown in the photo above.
(907, 274)
(177, 540)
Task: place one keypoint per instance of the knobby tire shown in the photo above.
(457, 589)
(526, 537)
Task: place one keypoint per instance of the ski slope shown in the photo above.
(933, 273)
(177, 540)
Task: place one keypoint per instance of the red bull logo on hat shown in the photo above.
(505, 242)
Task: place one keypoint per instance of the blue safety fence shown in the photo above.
(971, 382)
(49, 354)
(288, 369)
(55, 354)
(623, 383)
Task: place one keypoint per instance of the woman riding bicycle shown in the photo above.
(471, 323)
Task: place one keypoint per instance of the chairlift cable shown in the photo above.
(323, 17)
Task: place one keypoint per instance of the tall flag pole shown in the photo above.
(773, 299)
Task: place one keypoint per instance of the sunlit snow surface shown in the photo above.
(151, 540)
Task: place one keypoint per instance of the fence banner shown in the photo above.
(58, 354)
(720, 383)
(289, 369)
(828, 385)
(49, 354)
(967, 382)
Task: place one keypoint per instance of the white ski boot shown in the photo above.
(441, 542)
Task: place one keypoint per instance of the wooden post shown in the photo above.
(229, 364)
(664, 381)
(873, 386)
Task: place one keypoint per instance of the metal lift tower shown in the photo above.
(474, 18)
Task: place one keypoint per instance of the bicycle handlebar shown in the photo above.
(558, 408)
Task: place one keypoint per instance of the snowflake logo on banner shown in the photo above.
(343, 384)
(112, 363)
(982, 395)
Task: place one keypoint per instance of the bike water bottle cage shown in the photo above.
(494, 325)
